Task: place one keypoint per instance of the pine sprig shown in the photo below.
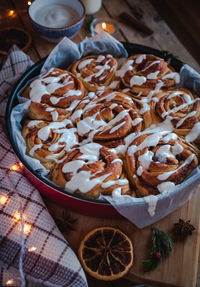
(162, 245)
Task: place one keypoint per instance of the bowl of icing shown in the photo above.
(55, 19)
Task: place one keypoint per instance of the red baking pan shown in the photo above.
(87, 206)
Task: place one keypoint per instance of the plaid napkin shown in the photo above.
(32, 250)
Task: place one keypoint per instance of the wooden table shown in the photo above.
(180, 269)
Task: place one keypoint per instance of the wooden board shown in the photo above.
(179, 269)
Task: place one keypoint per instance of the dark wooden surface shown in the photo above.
(183, 17)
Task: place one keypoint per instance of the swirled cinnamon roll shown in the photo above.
(49, 141)
(90, 170)
(157, 162)
(96, 71)
(107, 117)
(143, 73)
(54, 95)
(182, 108)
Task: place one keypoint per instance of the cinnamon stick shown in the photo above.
(137, 24)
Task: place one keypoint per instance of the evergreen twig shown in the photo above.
(162, 245)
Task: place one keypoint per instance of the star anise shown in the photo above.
(183, 228)
(65, 222)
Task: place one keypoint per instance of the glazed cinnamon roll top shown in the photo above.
(49, 141)
(128, 131)
(90, 170)
(144, 72)
(96, 71)
(157, 162)
(54, 95)
(107, 117)
(182, 107)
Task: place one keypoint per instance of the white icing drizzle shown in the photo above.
(169, 137)
(116, 127)
(34, 123)
(163, 153)
(176, 109)
(174, 94)
(101, 69)
(34, 148)
(194, 133)
(175, 76)
(117, 193)
(43, 133)
(153, 76)
(54, 115)
(140, 59)
(126, 67)
(152, 203)
(177, 148)
(166, 187)
(73, 166)
(151, 64)
(145, 108)
(68, 139)
(89, 124)
(117, 160)
(166, 175)
(77, 114)
(38, 89)
(84, 63)
(81, 179)
(137, 80)
(100, 58)
(72, 106)
(113, 182)
(126, 90)
(192, 114)
(136, 121)
(146, 158)
(90, 152)
(114, 84)
(151, 139)
(139, 170)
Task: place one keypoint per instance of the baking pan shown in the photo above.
(87, 206)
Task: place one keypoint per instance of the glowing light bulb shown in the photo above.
(17, 216)
(11, 13)
(27, 228)
(33, 248)
(14, 167)
(10, 282)
(104, 25)
(3, 199)
(29, 3)
(21, 164)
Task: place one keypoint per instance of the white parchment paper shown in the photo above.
(141, 211)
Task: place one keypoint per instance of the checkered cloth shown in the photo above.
(32, 250)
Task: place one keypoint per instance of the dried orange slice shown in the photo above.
(106, 253)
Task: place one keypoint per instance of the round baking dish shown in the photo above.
(91, 207)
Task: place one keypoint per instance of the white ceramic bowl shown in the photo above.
(55, 19)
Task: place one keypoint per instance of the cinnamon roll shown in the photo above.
(90, 170)
(101, 131)
(143, 73)
(157, 162)
(183, 109)
(49, 141)
(96, 71)
(107, 117)
(54, 95)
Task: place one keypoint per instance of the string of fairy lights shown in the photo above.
(19, 217)
(13, 13)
